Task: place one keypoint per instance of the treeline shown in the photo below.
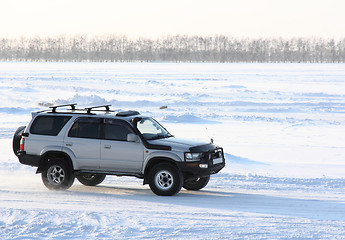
(177, 48)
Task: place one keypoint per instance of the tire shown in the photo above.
(57, 175)
(165, 179)
(195, 184)
(16, 139)
(91, 179)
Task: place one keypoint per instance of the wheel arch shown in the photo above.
(157, 160)
(47, 156)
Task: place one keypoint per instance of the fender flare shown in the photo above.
(154, 159)
(54, 154)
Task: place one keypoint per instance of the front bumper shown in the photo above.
(210, 164)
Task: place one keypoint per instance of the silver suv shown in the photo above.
(64, 142)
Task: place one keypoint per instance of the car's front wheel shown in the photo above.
(57, 175)
(91, 179)
(165, 179)
(196, 183)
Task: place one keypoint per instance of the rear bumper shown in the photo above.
(27, 159)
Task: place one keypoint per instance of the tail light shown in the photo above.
(22, 142)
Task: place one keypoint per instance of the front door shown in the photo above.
(117, 154)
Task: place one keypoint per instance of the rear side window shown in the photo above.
(48, 125)
(86, 128)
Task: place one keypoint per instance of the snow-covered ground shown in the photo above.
(281, 125)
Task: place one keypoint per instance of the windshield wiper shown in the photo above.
(168, 135)
(160, 136)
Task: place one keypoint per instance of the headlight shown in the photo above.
(192, 156)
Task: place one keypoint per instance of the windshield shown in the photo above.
(150, 129)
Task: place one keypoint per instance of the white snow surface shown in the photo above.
(281, 126)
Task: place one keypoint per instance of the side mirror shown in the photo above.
(131, 137)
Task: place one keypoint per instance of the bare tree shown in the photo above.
(177, 48)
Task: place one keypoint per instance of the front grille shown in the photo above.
(205, 156)
(212, 154)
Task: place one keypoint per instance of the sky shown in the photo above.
(155, 18)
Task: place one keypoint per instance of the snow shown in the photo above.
(281, 126)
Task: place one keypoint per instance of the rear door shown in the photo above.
(117, 154)
(84, 139)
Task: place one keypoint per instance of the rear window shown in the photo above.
(86, 128)
(48, 125)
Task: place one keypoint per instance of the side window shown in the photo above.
(86, 128)
(116, 130)
(48, 125)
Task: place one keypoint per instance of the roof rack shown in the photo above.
(64, 105)
(89, 109)
(105, 106)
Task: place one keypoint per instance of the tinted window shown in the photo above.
(116, 130)
(86, 128)
(48, 125)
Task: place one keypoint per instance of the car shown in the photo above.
(65, 143)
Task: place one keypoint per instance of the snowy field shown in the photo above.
(281, 126)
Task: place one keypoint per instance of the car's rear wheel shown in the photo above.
(91, 179)
(165, 179)
(57, 175)
(196, 183)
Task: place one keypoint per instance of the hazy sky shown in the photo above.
(154, 18)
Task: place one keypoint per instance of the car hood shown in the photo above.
(180, 144)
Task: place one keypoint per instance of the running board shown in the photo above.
(119, 174)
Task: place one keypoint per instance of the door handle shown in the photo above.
(69, 144)
(107, 146)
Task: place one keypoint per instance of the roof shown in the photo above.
(95, 110)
